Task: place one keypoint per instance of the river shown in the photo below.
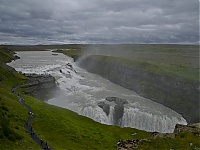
(83, 92)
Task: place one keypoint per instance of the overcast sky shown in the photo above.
(99, 21)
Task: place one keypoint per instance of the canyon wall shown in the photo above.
(41, 87)
(178, 93)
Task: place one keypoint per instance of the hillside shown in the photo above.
(12, 113)
(61, 128)
(64, 129)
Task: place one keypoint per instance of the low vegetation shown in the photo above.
(12, 113)
(64, 129)
(184, 64)
(61, 128)
(183, 141)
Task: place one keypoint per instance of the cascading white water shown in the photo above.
(81, 92)
(150, 122)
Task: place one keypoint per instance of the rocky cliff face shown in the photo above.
(180, 131)
(118, 108)
(178, 93)
(42, 87)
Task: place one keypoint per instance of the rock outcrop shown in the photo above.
(187, 128)
(118, 108)
(16, 57)
(132, 144)
(118, 101)
(105, 107)
(157, 135)
(129, 144)
(42, 87)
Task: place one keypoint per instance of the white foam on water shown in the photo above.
(81, 92)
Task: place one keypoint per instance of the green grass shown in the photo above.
(182, 141)
(6, 54)
(12, 114)
(161, 68)
(70, 53)
(61, 128)
(178, 70)
(64, 129)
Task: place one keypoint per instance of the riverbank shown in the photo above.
(60, 128)
(176, 92)
(40, 86)
(64, 129)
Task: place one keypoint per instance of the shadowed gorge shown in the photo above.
(180, 94)
(40, 86)
(167, 74)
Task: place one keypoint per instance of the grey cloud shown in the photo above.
(94, 21)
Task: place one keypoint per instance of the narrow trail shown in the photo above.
(27, 125)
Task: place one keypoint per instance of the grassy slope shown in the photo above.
(61, 128)
(65, 129)
(183, 140)
(12, 113)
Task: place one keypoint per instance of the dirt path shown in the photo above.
(27, 125)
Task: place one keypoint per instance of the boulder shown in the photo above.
(128, 144)
(157, 135)
(186, 128)
(116, 100)
(118, 108)
(105, 107)
(17, 57)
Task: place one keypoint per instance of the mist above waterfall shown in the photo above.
(81, 91)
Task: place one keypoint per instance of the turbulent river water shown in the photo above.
(82, 92)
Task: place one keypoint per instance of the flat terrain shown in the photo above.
(185, 55)
(182, 60)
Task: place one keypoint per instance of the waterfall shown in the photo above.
(132, 117)
(135, 118)
(81, 92)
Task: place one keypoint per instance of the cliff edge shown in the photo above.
(176, 92)
(40, 86)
